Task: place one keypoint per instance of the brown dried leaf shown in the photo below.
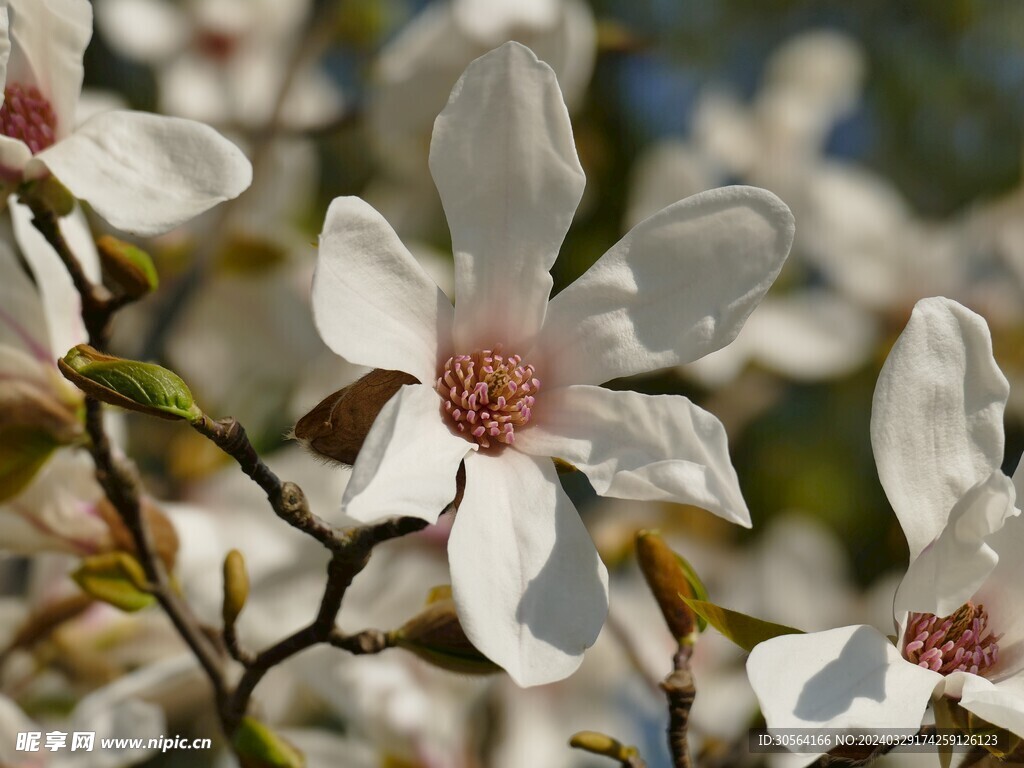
(338, 425)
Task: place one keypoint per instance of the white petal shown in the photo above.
(61, 301)
(146, 173)
(633, 446)
(408, 463)
(1003, 595)
(504, 161)
(530, 590)
(1001, 704)
(851, 677)
(14, 155)
(952, 568)
(372, 301)
(48, 42)
(937, 416)
(144, 30)
(676, 287)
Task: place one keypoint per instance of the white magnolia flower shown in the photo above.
(143, 173)
(508, 379)
(222, 61)
(937, 433)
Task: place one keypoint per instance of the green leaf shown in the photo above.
(129, 384)
(700, 592)
(115, 578)
(745, 631)
(23, 452)
(257, 746)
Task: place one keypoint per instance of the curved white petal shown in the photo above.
(61, 301)
(407, 464)
(144, 30)
(633, 446)
(531, 592)
(49, 38)
(678, 286)
(146, 173)
(372, 301)
(14, 156)
(851, 677)
(952, 568)
(1001, 704)
(503, 159)
(937, 416)
(1003, 595)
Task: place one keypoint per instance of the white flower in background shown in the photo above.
(143, 173)
(776, 142)
(126, 709)
(508, 379)
(51, 502)
(937, 433)
(222, 61)
(415, 72)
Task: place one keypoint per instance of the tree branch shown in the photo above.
(680, 691)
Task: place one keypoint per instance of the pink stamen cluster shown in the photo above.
(28, 116)
(486, 395)
(961, 641)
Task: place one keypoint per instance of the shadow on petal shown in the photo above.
(566, 603)
(859, 672)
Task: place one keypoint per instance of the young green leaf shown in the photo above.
(129, 384)
(745, 631)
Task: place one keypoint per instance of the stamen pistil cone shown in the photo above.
(962, 641)
(27, 115)
(486, 395)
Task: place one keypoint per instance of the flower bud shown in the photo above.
(437, 637)
(236, 586)
(603, 744)
(669, 576)
(129, 384)
(115, 578)
(338, 425)
(128, 267)
(257, 746)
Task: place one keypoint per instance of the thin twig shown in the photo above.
(628, 645)
(117, 475)
(287, 499)
(680, 690)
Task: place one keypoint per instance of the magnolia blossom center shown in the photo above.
(27, 115)
(961, 641)
(486, 396)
